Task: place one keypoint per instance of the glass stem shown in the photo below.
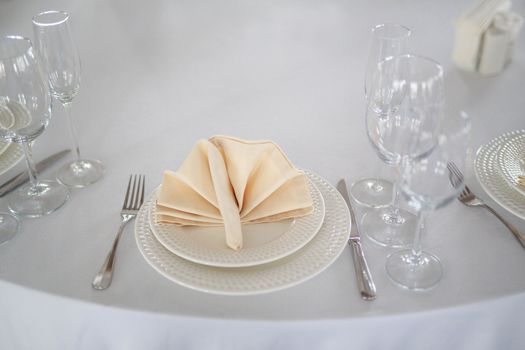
(382, 176)
(416, 246)
(73, 131)
(33, 175)
(391, 215)
(395, 197)
(394, 206)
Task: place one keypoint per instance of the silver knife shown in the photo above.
(364, 278)
(23, 177)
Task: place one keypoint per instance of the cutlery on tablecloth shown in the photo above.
(469, 199)
(367, 287)
(132, 203)
(23, 177)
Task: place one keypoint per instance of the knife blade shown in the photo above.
(365, 283)
(23, 177)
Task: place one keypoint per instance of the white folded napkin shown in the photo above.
(229, 181)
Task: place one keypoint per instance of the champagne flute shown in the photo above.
(387, 40)
(26, 103)
(59, 58)
(428, 184)
(403, 113)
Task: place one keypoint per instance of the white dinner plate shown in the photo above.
(304, 264)
(511, 158)
(492, 180)
(12, 154)
(262, 243)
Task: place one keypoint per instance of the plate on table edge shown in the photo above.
(493, 182)
(10, 157)
(304, 264)
(513, 147)
(297, 233)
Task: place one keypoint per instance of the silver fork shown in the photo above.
(469, 199)
(132, 202)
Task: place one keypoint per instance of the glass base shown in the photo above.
(42, 199)
(414, 272)
(80, 173)
(373, 193)
(8, 227)
(388, 230)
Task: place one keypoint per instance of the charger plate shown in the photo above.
(304, 264)
(262, 243)
(491, 178)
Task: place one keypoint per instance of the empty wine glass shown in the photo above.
(61, 63)
(429, 183)
(387, 40)
(25, 102)
(403, 112)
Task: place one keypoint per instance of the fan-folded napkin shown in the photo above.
(228, 181)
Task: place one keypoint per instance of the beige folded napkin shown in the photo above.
(229, 181)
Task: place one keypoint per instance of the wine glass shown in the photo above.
(429, 183)
(25, 102)
(403, 113)
(59, 58)
(388, 39)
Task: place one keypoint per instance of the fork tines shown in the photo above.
(455, 175)
(135, 192)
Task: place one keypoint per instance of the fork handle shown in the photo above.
(104, 277)
(512, 229)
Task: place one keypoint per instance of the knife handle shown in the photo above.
(14, 183)
(364, 278)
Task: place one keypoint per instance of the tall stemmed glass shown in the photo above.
(404, 110)
(25, 102)
(429, 183)
(60, 60)
(387, 40)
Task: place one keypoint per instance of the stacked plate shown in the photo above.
(275, 255)
(498, 165)
(10, 155)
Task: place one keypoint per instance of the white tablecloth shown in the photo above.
(158, 75)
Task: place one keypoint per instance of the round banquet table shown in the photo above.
(159, 75)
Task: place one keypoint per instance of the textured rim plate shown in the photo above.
(10, 157)
(263, 243)
(511, 158)
(3, 146)
(306, 263)
(493, 182)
